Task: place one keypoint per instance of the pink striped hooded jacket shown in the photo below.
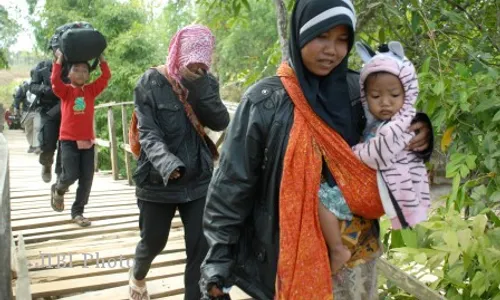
(403, 173)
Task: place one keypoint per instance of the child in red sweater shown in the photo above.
(76, 136)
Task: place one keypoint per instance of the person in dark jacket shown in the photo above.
(49, 108)
(244, 216)
(173, 104)
(21, 103)
(23, 99)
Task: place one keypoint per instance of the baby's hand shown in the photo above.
(101, 58)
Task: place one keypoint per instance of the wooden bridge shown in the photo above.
(45, 255)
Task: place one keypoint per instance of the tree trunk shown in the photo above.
(281, 14)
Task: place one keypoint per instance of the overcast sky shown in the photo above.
(18, 10)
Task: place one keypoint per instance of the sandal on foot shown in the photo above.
(142, 291)
(81, 221)
(56, 200)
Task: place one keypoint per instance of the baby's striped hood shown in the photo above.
(391, 59)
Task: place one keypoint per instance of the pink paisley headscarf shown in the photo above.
(191, 44)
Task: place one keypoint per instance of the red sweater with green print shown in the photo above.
(77, 104)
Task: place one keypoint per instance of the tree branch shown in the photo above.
(364, 16)
(393, 30)
(281, 16)
(473, 21)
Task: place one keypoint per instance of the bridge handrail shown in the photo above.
(112, 143)
(5, 225)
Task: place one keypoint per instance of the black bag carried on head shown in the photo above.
(79, 41)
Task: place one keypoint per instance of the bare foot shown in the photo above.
(338, 257)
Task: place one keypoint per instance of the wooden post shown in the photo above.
(281, 16)
(112, 144)
(5, 226)
(23, 290)
(13, 257)
(125, 142)
(2, 113)
(96, 150)
(406, 282)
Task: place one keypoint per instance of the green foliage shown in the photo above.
(456, 49)
(247, 48)
(234, 34)
(31, 6)
(6, 93)
(464, 255)
(8, 34)
(4, 63)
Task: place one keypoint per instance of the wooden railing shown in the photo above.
(13, 261)
(112, 142)
(6, 242)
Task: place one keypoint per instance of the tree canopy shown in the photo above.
(8, 35)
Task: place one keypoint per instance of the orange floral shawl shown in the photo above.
(303, 266)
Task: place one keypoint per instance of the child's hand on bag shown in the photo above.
(59, 55)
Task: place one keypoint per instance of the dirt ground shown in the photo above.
(14, 74)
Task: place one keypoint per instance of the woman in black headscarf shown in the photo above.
(258, 193)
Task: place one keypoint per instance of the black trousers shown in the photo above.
(78, 165)
(48, 136)
(154, 222)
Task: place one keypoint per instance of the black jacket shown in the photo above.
(41, 86)
(20, 99)
(169, 141)
(241, 216)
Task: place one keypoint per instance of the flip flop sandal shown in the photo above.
(134, 289)
(56, 201)
(81, 221)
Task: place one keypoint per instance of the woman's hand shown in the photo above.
(420, 141)
(175, 174)
(189, 75)
(215, 292)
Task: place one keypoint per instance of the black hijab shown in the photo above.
(328, 96)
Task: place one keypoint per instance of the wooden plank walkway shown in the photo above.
(69, 262)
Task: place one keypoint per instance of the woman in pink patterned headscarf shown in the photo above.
(191, 46)
(173, 105)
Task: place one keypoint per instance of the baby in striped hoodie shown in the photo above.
(389, 90)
